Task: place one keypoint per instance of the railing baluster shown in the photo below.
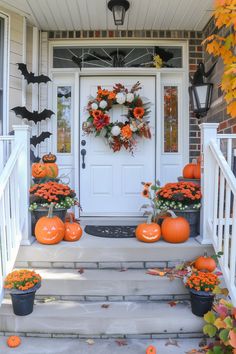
(221, 211)
(227, 227)
(229, 152)
(215, 208)
(233, 249)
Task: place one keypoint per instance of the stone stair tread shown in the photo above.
(107, 282)
(92, 318)
(98, 249)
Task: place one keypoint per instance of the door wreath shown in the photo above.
(118, 133)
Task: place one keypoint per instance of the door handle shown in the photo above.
(83, 153)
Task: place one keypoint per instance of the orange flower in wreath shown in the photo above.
(126, 132)
(101, 121)
(96, 113)
(111, 95)
(138, 112)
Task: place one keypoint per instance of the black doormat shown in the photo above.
(110, 231)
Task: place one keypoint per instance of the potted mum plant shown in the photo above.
(184, 198)
(42, 195)
(201, 286)
(22, 285)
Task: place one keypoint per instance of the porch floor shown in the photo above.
(100, 346)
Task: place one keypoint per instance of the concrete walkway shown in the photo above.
(100, 346)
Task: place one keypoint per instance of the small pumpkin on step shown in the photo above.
(13, 341)
(205, 263)
(148, 232)
(151, 349)
(175, 229)
(73, 230)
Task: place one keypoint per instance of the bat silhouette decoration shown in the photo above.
(31, 77)
(66, 95)
(34, 116)
(35, 140)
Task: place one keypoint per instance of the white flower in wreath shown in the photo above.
(103, 104)
(130, 97)
(115, 131)
(94, 105)
(120, 98)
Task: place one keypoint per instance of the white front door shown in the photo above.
(110, 183)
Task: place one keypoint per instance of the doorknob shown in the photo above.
(83, 153)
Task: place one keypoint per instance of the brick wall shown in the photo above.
(195, 56)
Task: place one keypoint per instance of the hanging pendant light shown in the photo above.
(118, 8)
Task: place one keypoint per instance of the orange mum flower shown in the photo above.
(126, 132)
(138, 112)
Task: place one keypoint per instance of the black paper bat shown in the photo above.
(35, 140)
(31, 77)
(34, 116)
(66, 95)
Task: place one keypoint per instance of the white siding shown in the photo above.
(16, 55)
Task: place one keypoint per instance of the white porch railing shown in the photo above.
(14, 185)
(219, 200)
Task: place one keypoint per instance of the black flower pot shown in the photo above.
(23, 301)
(193, 217)
(201, 302)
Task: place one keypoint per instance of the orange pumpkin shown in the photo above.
(175, 229)
(13, 341)
(197, 171)
(51, 170)
(39, 170)
(205, 263)
(49, 158)
(148, 232)
(49, 229)
(151, 349)
(188, 170)
(73, 231)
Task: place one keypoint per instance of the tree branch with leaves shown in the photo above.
(224, 48)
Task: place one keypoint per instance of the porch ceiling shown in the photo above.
(93, 14)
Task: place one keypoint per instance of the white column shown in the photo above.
(208, 133)
(22, 136)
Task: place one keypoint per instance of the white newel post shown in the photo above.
(208, 133)
(22, 136)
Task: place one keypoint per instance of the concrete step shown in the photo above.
(100, 346)
(120, 318)
(108, 283)
(100, 252)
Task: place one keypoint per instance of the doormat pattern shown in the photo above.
(110, 231)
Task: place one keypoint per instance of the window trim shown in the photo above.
(6, 46)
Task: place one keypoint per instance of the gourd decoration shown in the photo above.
(188, 170)
(175, 229)
(52, 170)
(13, 341)
(151, 349)
(39, 170)
(197, 171)
(49, 229)
(73, 231)
(148, 232)
(49, 158)
(205, 263)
